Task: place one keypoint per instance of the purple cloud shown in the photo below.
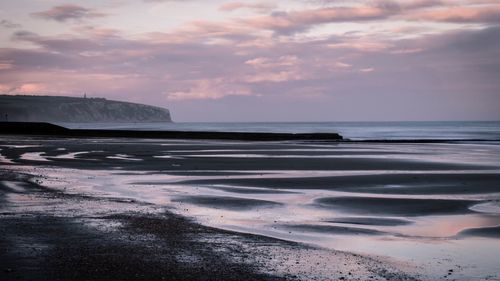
(233, 68)
(67, 12)
(417, 10)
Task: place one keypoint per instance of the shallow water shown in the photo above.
(412, 203)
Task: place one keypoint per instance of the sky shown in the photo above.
(283, 60)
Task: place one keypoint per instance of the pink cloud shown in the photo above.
(201, 31)
(274, 76)
(195, 64)
(259, 7)
(31, 88)
(367, 70)
(300, 20)
(6, 64)
(360, 45)
(342, 65)
(283, 61)
(257, 42)
(460, 14)
(211, 89)
(5, 88)
(231, 6)
(256, 30)
(418, 10)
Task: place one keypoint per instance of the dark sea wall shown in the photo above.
(47, 129)
(78, 110)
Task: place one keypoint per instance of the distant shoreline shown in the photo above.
(22, 108)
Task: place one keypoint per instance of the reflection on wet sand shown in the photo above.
(412, 202)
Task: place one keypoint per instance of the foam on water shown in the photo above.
(492, 207)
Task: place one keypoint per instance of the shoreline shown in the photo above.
(368, 200)
(60, 236)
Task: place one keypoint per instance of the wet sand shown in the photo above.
(52, 236)
(232, 210)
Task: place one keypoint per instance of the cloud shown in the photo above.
(67, 12)
(263, 56)
(259, 7)
(6, 64)
(24, 88)
(283, 61)
(241, 31)
(30, 88)
(407, 4)
(24, 35)
(9, 24)
(98, 32)
(342, 65)
(159, 1)
(301, 20)
(367, 70)
(360, 45)
(282, 69)
(211, 89)
(4, 88)
(407, 51)
(482, 14)
(274, 76)
(290, 22)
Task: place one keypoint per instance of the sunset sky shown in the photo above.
(284, 60)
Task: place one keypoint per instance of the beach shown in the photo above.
(309, 140)
(135, 209)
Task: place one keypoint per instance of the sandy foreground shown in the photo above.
(139, 209)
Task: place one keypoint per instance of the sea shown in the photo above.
(411, 130)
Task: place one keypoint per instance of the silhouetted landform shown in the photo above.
(422, 140)
(77, 110)
(491, 232)
(47, 129)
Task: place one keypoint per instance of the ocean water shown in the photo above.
(452, 130)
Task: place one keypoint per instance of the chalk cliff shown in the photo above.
(78, 110)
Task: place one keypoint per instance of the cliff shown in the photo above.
(77, 110)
